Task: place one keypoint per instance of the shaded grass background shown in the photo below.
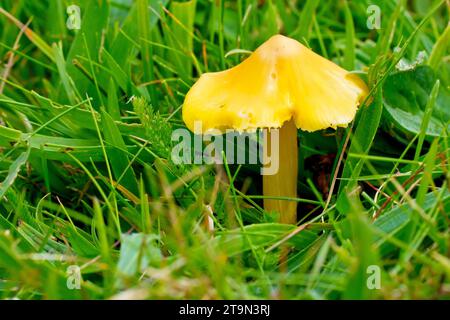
(86, 118)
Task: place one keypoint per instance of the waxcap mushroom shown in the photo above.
(281, 85)
(279, 81)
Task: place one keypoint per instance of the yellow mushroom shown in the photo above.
(282, 84)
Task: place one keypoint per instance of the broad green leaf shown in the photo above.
(393, 221)
(13, 171)
(113, 104)
(80, 242)
(121, 77)
(406, 94)
(9, 136)
(137, 252)
(439, 49)
(362, 140)
(93, 23)
(117, 156)
(261, 235)
(66, 80)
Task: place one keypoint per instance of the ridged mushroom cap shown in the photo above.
(280, 80)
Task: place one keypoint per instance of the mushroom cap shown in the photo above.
(280, 80)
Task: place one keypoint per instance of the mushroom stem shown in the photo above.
(284, 182)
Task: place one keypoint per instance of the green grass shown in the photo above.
(86, 177)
